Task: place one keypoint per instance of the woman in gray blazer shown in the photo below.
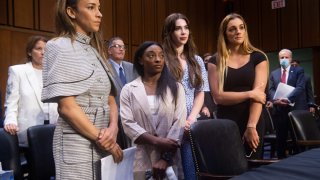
(76, 76)
(23, 106)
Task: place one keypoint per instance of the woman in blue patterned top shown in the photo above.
(189, 69)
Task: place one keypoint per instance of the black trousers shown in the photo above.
(282, 126)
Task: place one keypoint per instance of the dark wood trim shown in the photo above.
(25, 30)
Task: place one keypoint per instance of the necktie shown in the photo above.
(284, 76)
(122, 77)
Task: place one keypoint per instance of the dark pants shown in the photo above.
(282, 126)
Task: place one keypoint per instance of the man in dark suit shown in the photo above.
(292, 76)
(307, 99)
(123, 71)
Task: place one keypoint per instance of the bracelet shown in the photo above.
(167, 156)
(251, 127)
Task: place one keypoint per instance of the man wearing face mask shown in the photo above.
(292, 76)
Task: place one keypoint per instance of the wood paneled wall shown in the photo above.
(295, 26)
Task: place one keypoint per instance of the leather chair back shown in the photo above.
(304, 125)
(40, 147)
(9, 153)
(217, 147)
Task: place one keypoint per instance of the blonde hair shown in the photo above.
(223, 52)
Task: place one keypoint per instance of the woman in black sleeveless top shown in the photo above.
(238, 76)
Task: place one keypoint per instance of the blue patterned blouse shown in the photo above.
(189, 90)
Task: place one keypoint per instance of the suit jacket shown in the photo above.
(130, 74)
(137, 119)
(295, 79)
(23, 105)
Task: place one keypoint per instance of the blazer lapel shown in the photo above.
(128, 71)
(141, 96)
(33, 81)
(290, 75)
(116, 77)
(278, 76)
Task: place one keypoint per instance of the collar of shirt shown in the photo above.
(287, 69)
(287, 72)
(116, 65)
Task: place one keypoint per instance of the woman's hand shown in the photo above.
(106, 139)
(251, 137)
(258, 95)
(117, 153)
(167, 145)
(11, 128)
(159, 169)
(281, 102)
(205, 111)
(269, 104)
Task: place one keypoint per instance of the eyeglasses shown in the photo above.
(118, 46)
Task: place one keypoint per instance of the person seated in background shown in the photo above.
(208, 110)
(308, 98)
(153, 113)
(23, 106)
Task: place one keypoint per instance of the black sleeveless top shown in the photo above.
(239, 80)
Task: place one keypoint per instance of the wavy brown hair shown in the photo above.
(189, 51)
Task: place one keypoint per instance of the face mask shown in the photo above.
(284, 63)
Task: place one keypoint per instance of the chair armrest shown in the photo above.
(207, 176)
(254, 163)
(309, 143)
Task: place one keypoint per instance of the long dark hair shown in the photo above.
(189, 51)
(165, 80)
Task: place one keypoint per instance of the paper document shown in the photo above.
(123, 170)
(283, 91)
